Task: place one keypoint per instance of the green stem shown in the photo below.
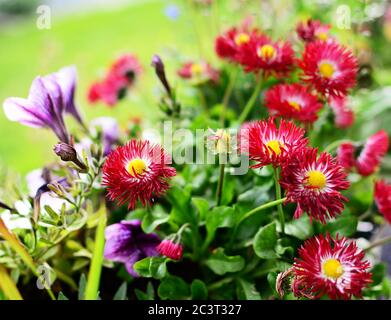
(97, 259)
(250, 103)
(336, 144)
(278, 197)
(220, 184)
(378, 243)
(227, 94)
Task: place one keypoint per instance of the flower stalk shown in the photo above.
(251, 102)
(278, 197)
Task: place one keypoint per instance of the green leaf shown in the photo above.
(153, 219)
(378, 273)
(246, 290)
(300, 228)
(221, 263)
(61, 296)
(121, 292)
(151, 267)
(219, 217)
(199, 291)
(182, 211)
(202, 206)
(265, 241)
(82, 286)
(228, 191)
(345, 225)
(148, 295)
(173, 288)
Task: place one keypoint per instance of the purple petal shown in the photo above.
(119, 244)
(66, 78)
(132, 259)
(147, 243)
(23, 111)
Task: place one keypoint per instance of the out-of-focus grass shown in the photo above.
(90, 41)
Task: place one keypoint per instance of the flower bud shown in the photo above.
(65, 151)
(158, 64)
(170, 249)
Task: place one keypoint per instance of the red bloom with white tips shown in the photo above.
(383, 199)
(345, 155)
(329, 67)
(267, 144)
(229, 44)
(199, 72)
(314, 183)
(312, 30)
(343, 115)
(263, 54)
(333, 267)
(373, 152)
(138, 170)
(120, 77)
(170, 249)
(292, 101)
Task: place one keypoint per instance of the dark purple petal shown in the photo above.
(132, 259)
(147, 243)
(119, 243)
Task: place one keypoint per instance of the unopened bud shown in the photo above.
(65, 151)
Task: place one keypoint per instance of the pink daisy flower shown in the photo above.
(373, 152)
(266, 144)
(343, 114)
(345, 155)
(329, 67)
(312, 30)
(333, 267)
(263, 54)
(383, 199)
(292, 101)
(314, 183)
(138, 170)
(199, 72)
(170, 249)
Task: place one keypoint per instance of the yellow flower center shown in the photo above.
(223, 143)
(242, 38)
(136, 167)
(322, 36)
(326, 69)
(316, 179)
(196, 69)
(294, 105)
(275, 146)
(266, 52)
(332, 268)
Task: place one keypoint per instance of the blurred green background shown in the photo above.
(90, 34)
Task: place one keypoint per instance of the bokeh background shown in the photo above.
(91, 33)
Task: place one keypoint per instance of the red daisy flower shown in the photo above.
(383, 199)
(292, 101)
(343, 115)
(137, 171)
(329, 67)
(312, 30)
(345, 155)
(267, 144)
(373, 152)
(199, 72)
(262, 54)
(229, 44)
(333, 267)
(314, 183)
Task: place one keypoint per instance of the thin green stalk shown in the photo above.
(94, 274)
(336, 144)
(378, 243)
(262, 207)
(220, 184)
(227, 94)
(8, 286)
(250, 103)
(278, 197)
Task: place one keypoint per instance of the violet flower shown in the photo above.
(49, 98)
(127, 243)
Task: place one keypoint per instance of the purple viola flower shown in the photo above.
(110, 131)
(127, 243)
(49, 98)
